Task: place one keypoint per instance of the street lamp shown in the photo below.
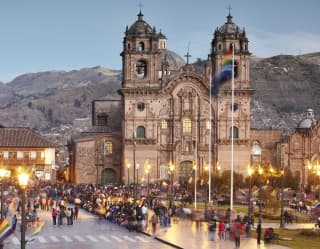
(4, 173)
(250, 171)
(128, 166)
(171, 168)
(282, 198)
(260, 171)
(148, 182)
(23, 182)
(137, 183)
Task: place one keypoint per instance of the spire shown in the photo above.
(140, 16)
(229, 17)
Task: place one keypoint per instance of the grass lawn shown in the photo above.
(301, 239)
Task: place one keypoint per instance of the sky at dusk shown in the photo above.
(41, 35)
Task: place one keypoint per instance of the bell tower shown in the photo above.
(230, 36)
(140, 55)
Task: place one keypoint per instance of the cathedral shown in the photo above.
(171, 124)
(167, 117)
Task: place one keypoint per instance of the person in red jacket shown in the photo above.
(222, 228)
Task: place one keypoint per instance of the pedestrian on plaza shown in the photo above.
(76, 212)
(259, 231)
(212, 227)
(248, 229)
(237, 233)
(54, 216)
(68, 213)
(222, 228)
(71, 216)
(14, 222)
(154, 223)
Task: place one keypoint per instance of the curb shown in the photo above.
(162, 240)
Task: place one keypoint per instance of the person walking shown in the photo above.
(76, 212)
(212, 227)
(54, 216)
(237, 233)
(222, 228)
(259, 231)
(154, 223)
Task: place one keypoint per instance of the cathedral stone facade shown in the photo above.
(166, 105)
(169, 129)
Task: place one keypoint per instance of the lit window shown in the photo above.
(141, 46)
(33, 155)
(235, 132)
(164, 124)
(19, 155)
(208, 125)
(6, 155)
(42, 155)
(256, 149)
(108, 147)
(141, 132)
(186, 125)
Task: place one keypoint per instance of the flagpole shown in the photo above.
(210, 135)
(196, 155)
(232, 129)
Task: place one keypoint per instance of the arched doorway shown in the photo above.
(108, 176)
(185, 171)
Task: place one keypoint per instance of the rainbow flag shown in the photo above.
(224, 74)
(3, 225)
(36, 232)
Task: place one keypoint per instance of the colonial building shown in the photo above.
(96, 154)
(167, 114)
(21, 148)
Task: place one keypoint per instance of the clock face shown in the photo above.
(141, 69)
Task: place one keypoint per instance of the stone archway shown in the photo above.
(108, 176)
(185, 171)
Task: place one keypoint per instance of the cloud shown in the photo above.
(267, 44)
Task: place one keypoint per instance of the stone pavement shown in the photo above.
(188, 235)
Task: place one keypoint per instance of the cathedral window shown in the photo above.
(129, 46)
(140, 106)
(141, 68)
(141, 132)
(141, 47)
(235, 107)
(186, 125)
(107, 147)
(102, 119)
(163, 172)
(236, 69)
(219, 46)
(235, 132)
(208, 125)
(256, 152)
(164, 124)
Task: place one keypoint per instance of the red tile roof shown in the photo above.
(23, 137)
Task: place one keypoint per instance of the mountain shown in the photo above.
(286, 86)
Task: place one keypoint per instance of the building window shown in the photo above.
(163, 172)
(219, 47)
(102, 119)
(141, 69)
(141, 46)
(256, 152)
(235, 132)
(186, 125)
(236, 69)
(6, 155)
(164, 124)
(19, 155)
(107, 147)
(208, 125)
(140, 106)
(33, 155)
(42, 155)
(141, 132)
(129, 46)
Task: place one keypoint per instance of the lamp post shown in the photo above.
(137, 185)
(128, 166)
(148, 182)
(23, 182)
(260, 171)
(250, 171)
(134, 165)
(171, 168)
(282, 198)
(3, 174)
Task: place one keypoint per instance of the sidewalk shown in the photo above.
(186, 234)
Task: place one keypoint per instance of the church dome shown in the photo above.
(172, 59)
(140, 27)
(309, 121)
(229, 27)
